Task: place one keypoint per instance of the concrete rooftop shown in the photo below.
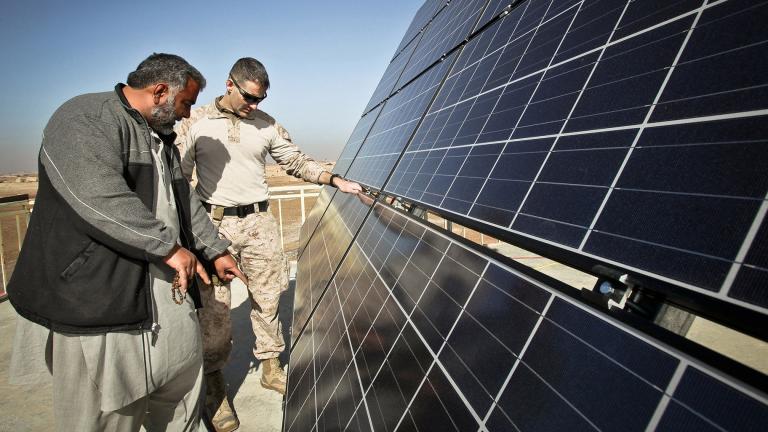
(25, 409)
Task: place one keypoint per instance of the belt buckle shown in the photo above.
(242, 211)
(217, 213)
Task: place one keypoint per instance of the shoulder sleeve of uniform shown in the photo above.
(183, 127)
(185, 140)
(282, 132)
(182, 131)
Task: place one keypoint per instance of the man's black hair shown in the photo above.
(250, 69)
(165, 68)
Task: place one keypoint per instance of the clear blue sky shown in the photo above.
(324, 58)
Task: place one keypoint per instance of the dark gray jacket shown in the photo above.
(84, 264)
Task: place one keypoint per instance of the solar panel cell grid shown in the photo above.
(355, 140)
(752, 276)
(391, 75)
(634, 68)
(394, 126)
(301, 393)
(486, 348)
(313, 218)
(697, 87)
(323, 253)
(698, 393)
(312, 264)
(451, 25)
(424, 15)
(563, 147)
(436, 405)
(528, 411)
(493, 9)
(631, 133)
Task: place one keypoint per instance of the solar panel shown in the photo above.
(323, 252)
(417, 331)
(623, 138)
(314, 216)
(387, 83)
(494, 9)
(446, 31)
(342, 165)
(424, 15)
(394, 126)
(359, 134)
(590, 127)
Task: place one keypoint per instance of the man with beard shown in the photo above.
(227, 143)
(109, 256)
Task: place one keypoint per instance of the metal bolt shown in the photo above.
(606, 288)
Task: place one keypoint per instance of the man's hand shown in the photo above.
(185, 263)
(347, 186)
(365, 199)
(226, 268)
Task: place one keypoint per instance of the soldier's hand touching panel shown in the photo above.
(347, 186)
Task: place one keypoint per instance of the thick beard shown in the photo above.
(163, 118)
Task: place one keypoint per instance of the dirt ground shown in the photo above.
(8, 189)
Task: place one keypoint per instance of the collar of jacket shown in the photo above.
(124, 102)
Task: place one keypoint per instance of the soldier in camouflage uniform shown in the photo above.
(226, 143)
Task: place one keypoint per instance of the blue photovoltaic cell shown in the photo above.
(313, 273)
(355, 141)
(323, 253)
(424, 15)
(399, 342)
(394, 126)
(752, 277)
(493, 9)
(342, 165)
(301, 394)
(391, 75)
(632, 133)
(726, 408)
(313, 218)
(451, 25)
(566, 122)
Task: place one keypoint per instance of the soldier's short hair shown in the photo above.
(250, 69)
(165, 68)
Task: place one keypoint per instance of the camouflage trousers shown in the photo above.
(256, 245)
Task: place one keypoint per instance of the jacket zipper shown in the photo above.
(155, 328)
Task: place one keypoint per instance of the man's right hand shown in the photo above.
(348, 186)
(226, 268)
(186, 265)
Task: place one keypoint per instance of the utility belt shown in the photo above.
(218, 212)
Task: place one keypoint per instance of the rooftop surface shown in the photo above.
(29, 408)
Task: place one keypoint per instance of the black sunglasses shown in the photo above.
(251, 99)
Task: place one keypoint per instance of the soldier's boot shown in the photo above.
(217, 406)
(272, 375)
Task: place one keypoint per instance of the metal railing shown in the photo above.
(288, 204)
(14, 217)
(286, 197)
